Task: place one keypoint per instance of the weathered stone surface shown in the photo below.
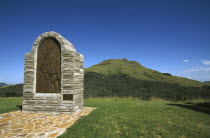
(39, 125)
(53, 68)
(67, 81)
(67, 70)
(67, 64)
(67, 75)
(27, 96)
(67, 87)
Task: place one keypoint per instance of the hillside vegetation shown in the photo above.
(207, 82)
(123, 78)
(123, 85)
(136, 70)
(11, 90)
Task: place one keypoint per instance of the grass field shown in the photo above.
(117, 117)
(10, 104)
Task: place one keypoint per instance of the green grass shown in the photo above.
(131, 117)
(134, 118)
(10, 104)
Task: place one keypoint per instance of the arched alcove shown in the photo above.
(48, 76)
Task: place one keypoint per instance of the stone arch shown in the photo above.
(69, 98)
(64, 43)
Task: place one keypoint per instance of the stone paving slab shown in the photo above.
(19, 124)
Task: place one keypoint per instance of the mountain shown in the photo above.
(123, 78)
(138, 71)
(2, 84)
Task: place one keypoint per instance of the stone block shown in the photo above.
(62, 108)
(67, 70)
(67, 86)
(28, 87)
(29, 66)
(67, 103)
(67, 81)
(42, 101)
(77, 64)
(67, 91)
(78, 80)
(27, 96)
(53, 108)
(67, 64)
(25, 91)
(68, 59)
(78, 85)
(76, 75)
(54, 102)
(77, 70)
(29, 56)
(27, 62)
(78, 91)
(67, 75)
(31, 101)
(47, 96)
(27, 107)
(39, 107)
(67, 53)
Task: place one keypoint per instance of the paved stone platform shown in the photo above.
(19, 124)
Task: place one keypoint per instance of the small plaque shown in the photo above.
(68, 97)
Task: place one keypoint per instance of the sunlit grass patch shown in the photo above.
(131, 117)
(10, 104)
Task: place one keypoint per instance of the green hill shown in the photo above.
(11, 90)
(123, 78)
(136, 70)
(2, 84)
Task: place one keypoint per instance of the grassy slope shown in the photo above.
(117, 117)
(134, 118)
(134, 69)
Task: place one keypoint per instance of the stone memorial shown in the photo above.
(53, 76)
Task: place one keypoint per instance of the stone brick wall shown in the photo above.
(70, 98)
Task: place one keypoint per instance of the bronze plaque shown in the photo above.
(48, 75)
(68, 97)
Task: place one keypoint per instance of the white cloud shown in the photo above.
(186, 60)
(206, 62)
(197, 69)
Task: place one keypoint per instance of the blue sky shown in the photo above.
(166, 35)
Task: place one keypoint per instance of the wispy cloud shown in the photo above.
(197, 69)
(186, 60)
(205, 62)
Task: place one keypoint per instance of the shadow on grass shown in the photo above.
(20, 107)
(200, 107)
